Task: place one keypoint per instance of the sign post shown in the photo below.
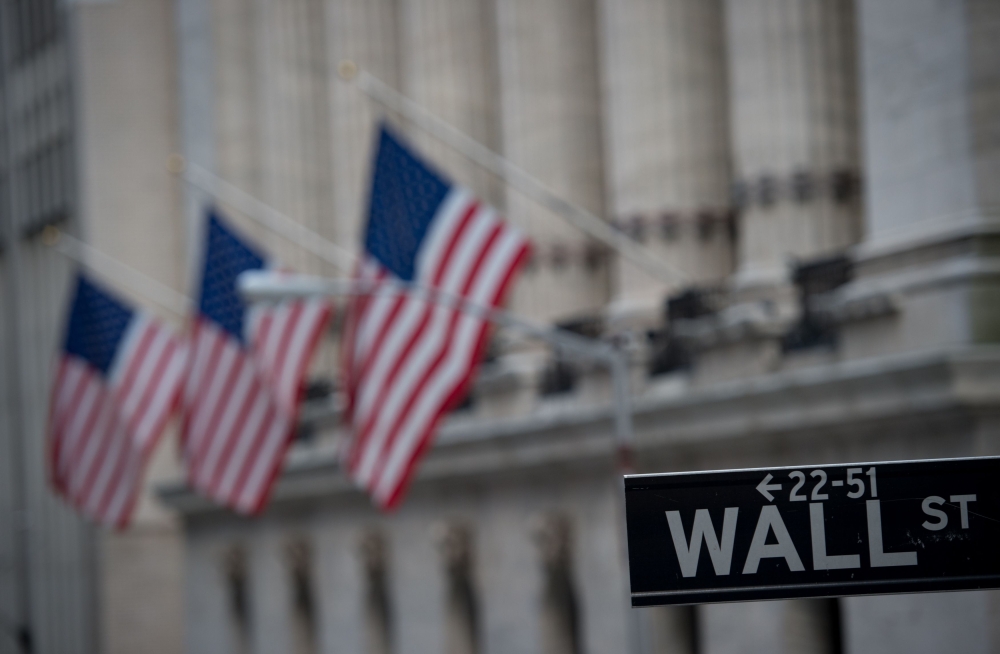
(813, 531)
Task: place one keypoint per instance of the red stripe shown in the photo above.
(443, 350)
(222, 403)
(290, 326)
(88, 426)
(104, 442)
(146, 451)
(254, 393)
(132, 425)
(202, 331)
(135, 363)
(373, 353)
(266, 425)
(459, 393)
(114, 398)
(269, 479)
(87, 379)
(364, 434)
(355, 316)
(253, 362)
(264, 328)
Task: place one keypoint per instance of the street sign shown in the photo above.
(813, 531)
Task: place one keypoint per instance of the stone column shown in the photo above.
(667, 138)
(364, 32)
(794, 130)
(932, 157)
(551, 128)
(295, 145)
(448, 65)
(272, 112)
(932, 115)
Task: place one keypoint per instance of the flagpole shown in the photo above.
(268, 286)
(511, 173)
(141, 283)
(270, 217)
(258, 286)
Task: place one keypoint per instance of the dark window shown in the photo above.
(377, 605)
(815, 280)
(35, 24)
(560, 605)
(300, 567)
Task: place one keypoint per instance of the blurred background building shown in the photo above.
(823, 173)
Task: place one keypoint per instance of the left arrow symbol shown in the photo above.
(765, 487)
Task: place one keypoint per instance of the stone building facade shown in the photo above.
(821, 173)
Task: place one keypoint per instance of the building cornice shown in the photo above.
(842, 398)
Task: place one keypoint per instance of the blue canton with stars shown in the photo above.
(226, 256)
(406, 193)
(97, 323)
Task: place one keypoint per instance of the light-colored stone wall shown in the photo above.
(667, 141)
(929, 113)
(503, 516)
(448, 65)
(793, 107)
(550, 94)
(630, 108)
(364, 32)
(130, 209)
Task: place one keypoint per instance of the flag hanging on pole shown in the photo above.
(117, 383)
(407, 360)
(241, 395)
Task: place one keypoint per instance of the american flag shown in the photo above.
(241, 395)
(407, 360)
(117, 383)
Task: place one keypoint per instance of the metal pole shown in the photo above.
(266, 286)
(88, 256)
(270, 218)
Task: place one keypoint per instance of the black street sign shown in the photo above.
(813, 531)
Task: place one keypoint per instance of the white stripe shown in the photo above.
(118, 447)
(200, 410)
(144, 375)
(280, 317)
(232, 403)
(204, 340)
(216, 383)
(454, 206)
(369, 387)
(125, 350)
(72, 376)
(244, 441)
(94, 439)
(464, 257)
(89, 402)
(371, 271)
(80, 375)
(379, 308)
(252, 319)
(294, 358)
(254, 487)
(394, 397)
(134, 441)
(128, 364)
(442, 227)
(459, 356)
(160, 401)
(125, 487)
